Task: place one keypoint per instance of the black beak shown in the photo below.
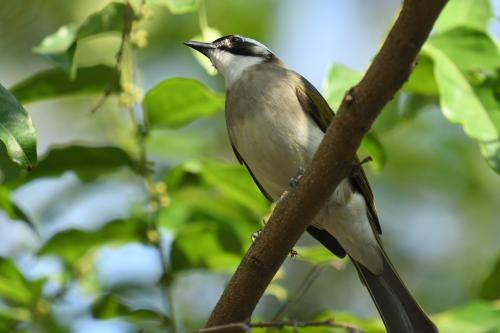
(201, 47)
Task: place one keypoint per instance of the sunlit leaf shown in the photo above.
(16, 130)
(490, 288)
(469, 13)
(55, 83)
(176, 102)
(475, 317)
(217, 247)
(460, 103)
(60, 47)
(14, 288)
(109, 306)
(421, 80)
(178, 6)
(468, 49)
(338, 81)
(72, 244)
(368, 325)
(86, 161)
(316, 254)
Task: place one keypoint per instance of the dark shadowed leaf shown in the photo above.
(55, 83)
(14, 288)
(109, 306)
(178, 6)
(16, 130)
(8, 320)
(60, 47)
(71, 244)
(86, 161)
(176, 102)
(490, 289)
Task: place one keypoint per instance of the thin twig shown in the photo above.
(115, 79)
(311, 276)
(247, 327)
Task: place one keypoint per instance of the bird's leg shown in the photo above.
(294, 181)
(256, 234)
(357, 165)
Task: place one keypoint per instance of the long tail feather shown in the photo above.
(399, 311)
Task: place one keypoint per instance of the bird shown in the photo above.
(276, 120)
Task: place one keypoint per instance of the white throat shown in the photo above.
(232, 66)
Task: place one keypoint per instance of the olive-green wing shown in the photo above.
(316, 106)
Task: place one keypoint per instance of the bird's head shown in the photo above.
(233, 54)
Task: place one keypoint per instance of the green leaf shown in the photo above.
(109, 306)
(86, 161)
(469, 13)
(475, 317)
(16, 130)
(490, 288)
(14, 288)
(8, 321)
(468, 49)
(338, 81)
(55, 83)
(316, 255)
(421, 80)
(217, 247)
(11, 209)
(60, 47)
(461, 103)
(234, 182)
(176, 102)
(72, 244)
(223, 193)
(373, 147)
(178, 6)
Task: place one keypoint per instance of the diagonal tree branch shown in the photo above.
(332, 162)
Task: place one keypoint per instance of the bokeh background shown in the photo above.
(437, 197)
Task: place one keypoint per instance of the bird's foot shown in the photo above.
(359, 164)
(294, 181)
(256, 235)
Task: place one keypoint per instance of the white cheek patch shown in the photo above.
(231, 66)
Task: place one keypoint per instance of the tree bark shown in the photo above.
(332, 162)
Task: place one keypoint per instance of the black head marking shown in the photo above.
(244, 46)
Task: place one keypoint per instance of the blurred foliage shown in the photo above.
(199, 215)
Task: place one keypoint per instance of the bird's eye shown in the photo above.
(236, 39)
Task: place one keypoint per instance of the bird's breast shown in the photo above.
(271, 132)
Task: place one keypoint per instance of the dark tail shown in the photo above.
(399, 311)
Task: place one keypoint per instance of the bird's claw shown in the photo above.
(294, 181)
